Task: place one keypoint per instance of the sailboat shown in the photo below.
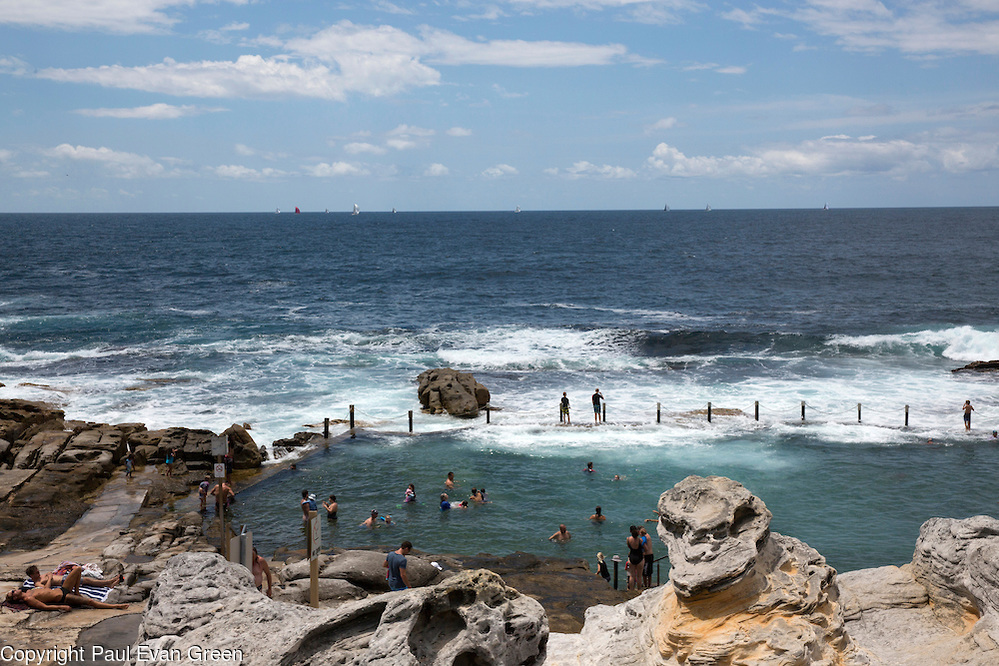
(393, 209)
(356, 211)
(517, 209)
(707, 209)
(666, 208)
(297, 210)
(277, 211)
(826, 206)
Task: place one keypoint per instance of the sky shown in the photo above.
(450, 105)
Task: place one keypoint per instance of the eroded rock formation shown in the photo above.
(471, 618)
(447, 390)
(740, 594)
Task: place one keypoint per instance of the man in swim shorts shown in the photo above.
(562, 536)
(564, 408)
(63, 598)
(51, 580)
(261, 569)
(967, 414)
(597, 397)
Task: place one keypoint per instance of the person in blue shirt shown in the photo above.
(445, 504)
(395, 562)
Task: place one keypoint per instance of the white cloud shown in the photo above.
(642, 11)
(583, 169)
(119, 164)
(246, 151)
(331, 64)
(6, 155)
(117, 16)
(499, 171)
(459, 131)
(917, 28)
(410, 130)
(239, 172)
(324, 170)
(436, 169)
(359, 147)
(661, 125)
(503, 92)
(152, 112)
(837, 155)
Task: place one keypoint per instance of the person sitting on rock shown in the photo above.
(62, 598)
(51, 580)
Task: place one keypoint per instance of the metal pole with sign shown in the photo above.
(314, 542)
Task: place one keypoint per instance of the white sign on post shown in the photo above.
(220, 445)
(219, 470)
(316, 542)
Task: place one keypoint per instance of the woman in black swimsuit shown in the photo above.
(636, 556)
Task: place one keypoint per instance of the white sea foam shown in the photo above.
(961, 343)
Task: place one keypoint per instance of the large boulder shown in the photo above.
(741, 595)
(447, 390)
(202, 601)
(979, 366)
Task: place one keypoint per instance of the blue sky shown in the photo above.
(252, 105)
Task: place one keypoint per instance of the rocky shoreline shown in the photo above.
(737, 593)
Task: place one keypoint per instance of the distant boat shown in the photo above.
(327, 210)
(297, 210)
(356, 211)
(666, 208)
(825, 207)
(707, 209)
(517, 209)
(277, 211)
(393, 209)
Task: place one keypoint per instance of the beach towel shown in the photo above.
(89, 570)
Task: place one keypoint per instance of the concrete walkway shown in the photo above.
(110, 514)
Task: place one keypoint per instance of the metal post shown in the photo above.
(603, 419)
(709, 412)
(561, 416)
(907, 416)
(313, 542)
(352, 417)
(657, 574)
(411, 420)
(326, 428)
(617, 561)
(487, 413)
(659, 413)
(757, 410)
(802, 410)
(858, 412)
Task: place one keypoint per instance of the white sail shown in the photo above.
(356, 210)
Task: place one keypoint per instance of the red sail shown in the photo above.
(296, 210)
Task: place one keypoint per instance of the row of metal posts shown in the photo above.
(603, 419)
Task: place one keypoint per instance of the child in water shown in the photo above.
(410, 494)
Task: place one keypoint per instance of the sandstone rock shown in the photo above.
(457, 393)
(330, 589)
(879, 589)
(740, 594)
(202, 600)
(245, 452)
(950, 560)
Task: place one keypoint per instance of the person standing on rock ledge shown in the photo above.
(597, 397)
(564, 408)
(260, 570)
(967, 414)
(395, 562)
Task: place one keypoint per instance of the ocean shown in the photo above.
(204, 320)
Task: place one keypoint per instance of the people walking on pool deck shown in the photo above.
(597, 397)
(967, 414)
(564, 409)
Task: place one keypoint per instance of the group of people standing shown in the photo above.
(597, 399)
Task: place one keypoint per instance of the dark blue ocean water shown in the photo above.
(280, 320)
